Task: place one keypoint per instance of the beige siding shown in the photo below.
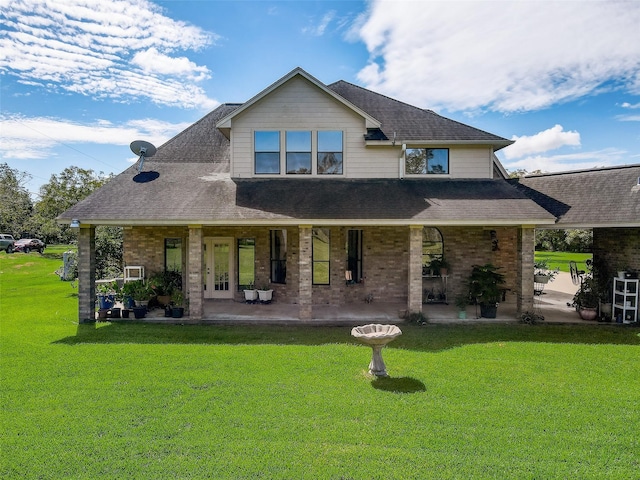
(299, 105)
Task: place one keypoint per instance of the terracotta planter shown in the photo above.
(588, 313)
(164, 300)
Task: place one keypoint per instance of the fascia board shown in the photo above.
(426, 143)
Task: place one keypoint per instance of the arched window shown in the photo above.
(432, 251)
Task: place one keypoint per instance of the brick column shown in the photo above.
(86, 274)
(195, 290)
(524, 279)
(305, 282)
(414, 300)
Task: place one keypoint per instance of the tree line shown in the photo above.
(24, 217)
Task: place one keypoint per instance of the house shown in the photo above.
(328, 194)
(606, 200)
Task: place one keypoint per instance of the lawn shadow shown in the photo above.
(429, 338)
(398, 385)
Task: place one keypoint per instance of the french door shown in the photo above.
(218, 267)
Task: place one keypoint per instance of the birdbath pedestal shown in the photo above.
(376, 336)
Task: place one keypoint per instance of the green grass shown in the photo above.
(130, 400)
(561, 260)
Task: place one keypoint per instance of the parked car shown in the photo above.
(6, 242)
(27, 244)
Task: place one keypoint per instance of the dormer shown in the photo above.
(299, 127)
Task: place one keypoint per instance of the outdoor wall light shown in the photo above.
(75, 223)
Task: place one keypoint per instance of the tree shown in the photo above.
(62, 192)
(16, 206)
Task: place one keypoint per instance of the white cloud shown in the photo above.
(320, 28)
(35, 137)
(550, 139)
(562, 163)
(501, 56)
(628, 118)
(121, 49)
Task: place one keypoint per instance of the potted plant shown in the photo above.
(439, 266)
(461, 302)
(163, 284)
(265, 294)
(141, 295)
(177, 304)
(250, 294)
(128, 290)
(542, 273)
(586, 299)
(106, 294)
(485, 286)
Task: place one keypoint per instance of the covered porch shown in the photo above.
(552, 304)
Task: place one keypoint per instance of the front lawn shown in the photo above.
(560, 260)
(130, 400)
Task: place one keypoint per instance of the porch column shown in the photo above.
(195, 291)
(414, 299)
(524, 279)
(87, 274)
(305, 294)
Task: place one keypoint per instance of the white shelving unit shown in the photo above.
(625, 300)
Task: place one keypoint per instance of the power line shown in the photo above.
(65, 144)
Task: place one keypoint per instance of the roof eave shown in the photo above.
(497, 145)
(315, 221)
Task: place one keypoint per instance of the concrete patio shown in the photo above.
(552, 304)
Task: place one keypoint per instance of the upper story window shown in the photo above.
(420, 161)
(330, 152)
(292, 152)
(298, 151)
(267, 152)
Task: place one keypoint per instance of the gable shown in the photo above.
(296, 74)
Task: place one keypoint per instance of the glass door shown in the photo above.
(218, 268)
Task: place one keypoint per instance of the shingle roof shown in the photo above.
(589, 198)
(411, 123)
(202, 142)
(207, 195)
(194, 184)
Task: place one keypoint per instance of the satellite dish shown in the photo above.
(143, 150)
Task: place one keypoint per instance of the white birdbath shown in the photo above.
(376, 336)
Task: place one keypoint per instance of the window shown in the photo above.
(432, 247)
(278, 256)
(298, 152)
(246, 262)
(426, 161)
(173, 255)
(330, 152)
(320, 253)
(267, 152)
(354, 256)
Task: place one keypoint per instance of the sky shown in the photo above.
(81, 79)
